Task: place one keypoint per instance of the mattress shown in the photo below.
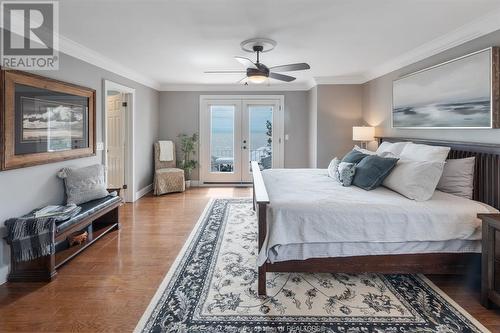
(312, 215)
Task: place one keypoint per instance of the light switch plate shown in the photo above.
(100, 146)
(286, 137)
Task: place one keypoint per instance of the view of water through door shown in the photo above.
(234, 133)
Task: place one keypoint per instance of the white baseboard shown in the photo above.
(200, 184)
(142, 192)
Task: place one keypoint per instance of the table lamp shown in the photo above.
(364, 134)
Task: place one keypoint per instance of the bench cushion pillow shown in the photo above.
(84, 184)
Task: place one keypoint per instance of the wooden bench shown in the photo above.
(97, 217)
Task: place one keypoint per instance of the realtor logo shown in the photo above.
(30, 35)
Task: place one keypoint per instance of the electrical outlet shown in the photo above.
(100, 146)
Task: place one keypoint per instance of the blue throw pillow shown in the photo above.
(354, 156)
(372, 170)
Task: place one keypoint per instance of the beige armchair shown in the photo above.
(167, 177)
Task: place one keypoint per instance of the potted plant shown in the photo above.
(188, 149)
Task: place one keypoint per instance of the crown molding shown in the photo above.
(76, 50)
(346, 79)
(236, 87)
(475, 29)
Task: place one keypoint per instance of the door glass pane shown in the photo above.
(222, 138)
(261, 134)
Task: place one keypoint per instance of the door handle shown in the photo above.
(244, 147)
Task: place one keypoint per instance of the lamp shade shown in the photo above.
(363, 133)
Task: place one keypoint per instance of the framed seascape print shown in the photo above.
(45, 120)
(461, 93)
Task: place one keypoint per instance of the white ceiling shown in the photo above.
(169, 44)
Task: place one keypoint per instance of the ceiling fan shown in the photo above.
(257, 72)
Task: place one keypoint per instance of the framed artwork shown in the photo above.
(44, 120)
(461, 93)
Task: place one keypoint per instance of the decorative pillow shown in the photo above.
(372, 170)
(420, 152)
(346, 172)
(364, 151)
(332, 168)
(354, 156)
(84, 184)
(458, 177)
(415, 180)
(394, 148)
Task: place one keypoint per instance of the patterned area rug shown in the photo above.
(212, 287)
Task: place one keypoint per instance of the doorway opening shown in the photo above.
(236, 130)
(118, 138)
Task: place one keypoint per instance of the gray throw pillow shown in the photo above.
(354, 156)
(372, 170)
(84, 184)
(458, 177)
(345, 173)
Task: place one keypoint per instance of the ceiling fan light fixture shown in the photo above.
(257, 78)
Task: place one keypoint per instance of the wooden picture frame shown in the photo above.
(10, 80)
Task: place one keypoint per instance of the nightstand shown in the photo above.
(490, 262)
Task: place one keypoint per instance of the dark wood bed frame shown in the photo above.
(486, 190)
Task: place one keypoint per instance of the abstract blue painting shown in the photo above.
(455, 94)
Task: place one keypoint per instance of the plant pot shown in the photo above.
(187, 183)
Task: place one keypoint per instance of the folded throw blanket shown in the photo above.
(166, 151)
(31, 237)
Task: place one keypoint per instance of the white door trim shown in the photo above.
(129, 134)
(205, 100)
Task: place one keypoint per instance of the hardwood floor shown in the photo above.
(107, 288)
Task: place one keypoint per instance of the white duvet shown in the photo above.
(307, 207)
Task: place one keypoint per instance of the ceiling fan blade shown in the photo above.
(290, 67)
(243, 81)
(224, 72)
(281, 77)
(246, 62)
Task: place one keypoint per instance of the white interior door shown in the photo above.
(236, 131)
(115, 141)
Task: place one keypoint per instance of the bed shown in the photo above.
(310, 224)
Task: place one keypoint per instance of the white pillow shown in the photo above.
(458, 177)
(420, 152)
(369, 152)
(364, 151)
(332, 168)
(394, 148)
(415, 180)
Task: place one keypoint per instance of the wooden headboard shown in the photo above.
(487, 171)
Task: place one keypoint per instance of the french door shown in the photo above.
(235, 131)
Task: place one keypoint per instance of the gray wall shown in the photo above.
(24, 189)
(338, 109)
(377, 98)
(179, 113)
